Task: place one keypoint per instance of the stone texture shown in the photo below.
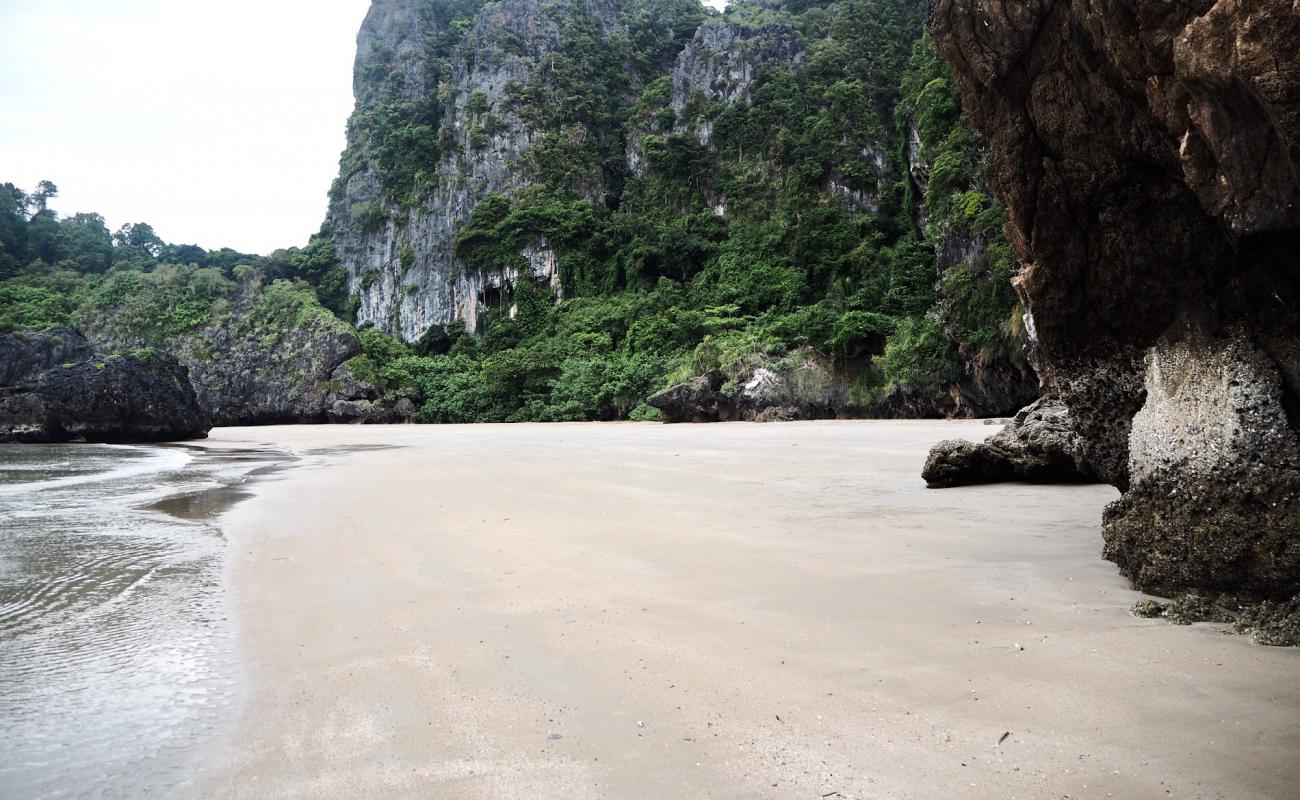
(722, 64)
(508, 45)
(1147, 154)
(1037, 446)
(246, 371)
(55, 387)
(996, 387)
(798, 386)
(696, 400)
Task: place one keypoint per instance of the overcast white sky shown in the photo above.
(219, 123)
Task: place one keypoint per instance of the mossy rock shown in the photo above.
(1273, 624)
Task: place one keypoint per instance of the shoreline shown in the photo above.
(210, 503)
(783, 610)
(206, 507)
(119, 651)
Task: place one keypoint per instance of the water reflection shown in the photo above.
(116, 654)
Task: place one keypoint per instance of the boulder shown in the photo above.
(358, 412)
(798, 386)
(54, 387)
(1037, 446)
(268, 358)
(696, 400)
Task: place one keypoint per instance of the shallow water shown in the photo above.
(117, 667)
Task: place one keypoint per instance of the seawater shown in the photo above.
(117, 665)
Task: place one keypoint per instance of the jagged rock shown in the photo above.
(1037, 446)
(722, 64)
(403, 410)
(1271, 623)
(802, 386)
(1147, 153)
(401, 260)
(345, 385)
(351, 412)
(55, 387)
(696, 400)
(981, 391)
(798, 386)
(1000, 385)
(347, 411)
(258, 363)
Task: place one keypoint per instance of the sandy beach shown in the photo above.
(727, 611)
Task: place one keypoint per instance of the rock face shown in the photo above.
(722, 64)
(350, 400)
(799, 386)
(400, 257)
(55, 387)
(1037, 446)
(987, 386)
(268, 358)
(1147, 153)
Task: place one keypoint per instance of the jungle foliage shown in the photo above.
(795, 223)
(58, 272)
(804, 220)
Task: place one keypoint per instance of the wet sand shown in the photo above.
(118, 666)
(729, 611)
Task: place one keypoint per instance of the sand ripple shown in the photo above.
(116, 655)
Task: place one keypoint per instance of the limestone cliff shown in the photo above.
(400, 249)
(746, 168)
(722, 64)
(1147, 153)
(987, 386)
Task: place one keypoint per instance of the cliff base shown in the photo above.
(54, 387)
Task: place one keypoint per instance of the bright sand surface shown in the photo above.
(726, 611)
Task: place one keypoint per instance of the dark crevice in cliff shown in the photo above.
(1146, 152)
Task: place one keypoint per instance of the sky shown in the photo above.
(218, 123)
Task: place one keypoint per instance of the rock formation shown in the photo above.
(1037, 446)
(800, 386)
(55, 387)
(400, 255)
(722, 64)
(269, 357)
(1147, 153)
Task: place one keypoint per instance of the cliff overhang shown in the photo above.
(1147, 153)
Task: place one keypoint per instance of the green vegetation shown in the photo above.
(795, 226)
(820, 244)
(136, 287)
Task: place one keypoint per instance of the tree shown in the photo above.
(140, 243)
(45, 192)
(44, 239)
(13, 230)
(86, 242)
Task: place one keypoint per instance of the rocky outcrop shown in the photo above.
(695, 400)
(990, 384)
(350, 400)
(268, 356)
(803, 385)
(1037, 446)
(722, 64)
(55, 387)
(400, 251)
(1147, 153)
(799, 386)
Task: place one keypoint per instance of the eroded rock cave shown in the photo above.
(1147, 153)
